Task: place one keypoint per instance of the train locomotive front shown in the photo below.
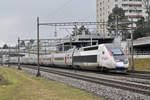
(108, 57)
(113, 58)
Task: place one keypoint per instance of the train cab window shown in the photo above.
(103, 52)
(116, 51)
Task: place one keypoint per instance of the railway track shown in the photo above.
(129, 86)
(135, 74)
(140, 72)
(138, 75)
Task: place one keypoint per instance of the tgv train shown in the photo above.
(97, 57)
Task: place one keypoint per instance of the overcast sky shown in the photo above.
(18, 17)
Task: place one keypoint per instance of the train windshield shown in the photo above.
(116, 51)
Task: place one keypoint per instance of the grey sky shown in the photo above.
(18, 17)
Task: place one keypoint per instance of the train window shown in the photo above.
(59, 58)
(91, 48)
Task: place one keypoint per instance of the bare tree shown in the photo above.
(5, 46)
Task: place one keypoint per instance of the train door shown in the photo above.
(51, 60)
(69, 59)
(69, 55)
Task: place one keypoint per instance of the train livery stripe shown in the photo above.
(109, 51)
(50, 60)
(84, 59)
(65, 59)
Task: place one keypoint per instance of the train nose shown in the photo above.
(121, 64)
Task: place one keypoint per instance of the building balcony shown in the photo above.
(132, 2)
(133, 13)
(137, 6)
(134, 16)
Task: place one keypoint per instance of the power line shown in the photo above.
(60, 8)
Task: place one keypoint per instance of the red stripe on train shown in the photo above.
(65, 59)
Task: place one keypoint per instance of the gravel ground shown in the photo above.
(99, 90)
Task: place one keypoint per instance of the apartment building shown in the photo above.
(134, 9)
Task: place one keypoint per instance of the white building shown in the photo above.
(134, 9)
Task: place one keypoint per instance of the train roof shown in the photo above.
(107, 44)
(112, 45)
(95, 47)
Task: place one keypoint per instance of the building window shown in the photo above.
(126, 11)
(116, 5)
(124, 5)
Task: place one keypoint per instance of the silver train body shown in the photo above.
(98, 57)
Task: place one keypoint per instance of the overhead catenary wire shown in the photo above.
(60, 8)
(56, 11)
